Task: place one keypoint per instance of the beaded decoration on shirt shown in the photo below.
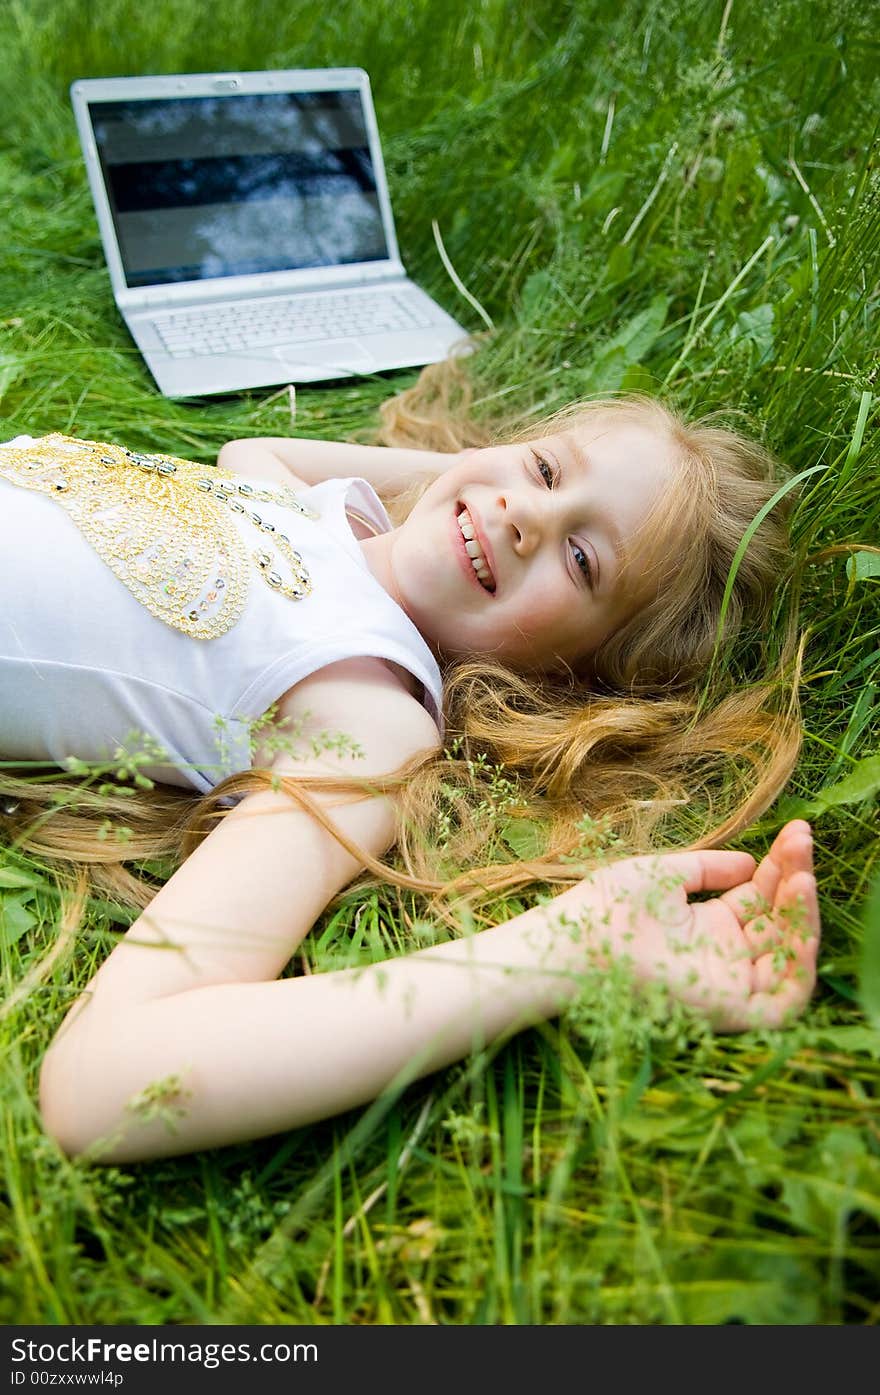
(163, 526)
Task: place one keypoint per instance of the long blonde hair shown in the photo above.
(656, 748)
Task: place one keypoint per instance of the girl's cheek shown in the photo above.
(538, 612)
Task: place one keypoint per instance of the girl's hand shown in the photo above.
(746, 958)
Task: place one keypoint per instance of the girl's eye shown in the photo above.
(582, 561)
(545, 470)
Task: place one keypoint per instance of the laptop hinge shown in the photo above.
(252, 288)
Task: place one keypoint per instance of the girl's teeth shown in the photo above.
(472, 547)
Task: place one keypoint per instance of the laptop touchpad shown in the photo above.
(331, 353)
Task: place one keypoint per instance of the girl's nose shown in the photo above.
(521, 517)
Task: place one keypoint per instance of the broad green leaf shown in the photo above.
(638, 334)
(792, 807)
(15, 919)
(564, 163)
(798, 284)
(603, 189)
(758, 1289)
(756, 326)
(756, 1302)
(839, 1177)
(607, 371)
(523, 837)
(644, 1127)
(861, 782)
(10, 878)
(536, 291)
(122, 915)
(627, 347)
(869, 967)
(854, 1038)
(619, 263)
(820, 1204)
(638, 379)
(863, 564)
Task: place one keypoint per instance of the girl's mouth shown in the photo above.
(474, 551)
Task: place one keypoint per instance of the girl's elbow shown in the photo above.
(228, 452)
(64, 1106)
(56, 1115)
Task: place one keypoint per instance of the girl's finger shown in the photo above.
(784, 980)
(766, 974)
(780, 1006)
(796, 826)
(712, 869)
(753, 904)
(791, 851)
(798, 909)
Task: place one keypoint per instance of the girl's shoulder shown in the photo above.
(364, 704)
(270, 470)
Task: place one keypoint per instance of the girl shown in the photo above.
(292, 656)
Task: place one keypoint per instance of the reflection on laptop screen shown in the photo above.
(201, 187)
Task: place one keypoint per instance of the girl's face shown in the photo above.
(549, 524)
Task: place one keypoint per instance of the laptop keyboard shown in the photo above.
(260, 324)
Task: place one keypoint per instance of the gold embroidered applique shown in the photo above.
(162, 525)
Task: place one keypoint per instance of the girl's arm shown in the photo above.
(239, 906)
(184, 1041)
(299, 461)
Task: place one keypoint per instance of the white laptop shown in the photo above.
(247, 227)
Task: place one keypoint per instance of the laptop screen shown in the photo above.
(203, 187)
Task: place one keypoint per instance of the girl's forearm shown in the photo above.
(236, 1061)
(387, 469)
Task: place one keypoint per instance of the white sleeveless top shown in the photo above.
(85, 668)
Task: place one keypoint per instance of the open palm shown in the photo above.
(746, 958)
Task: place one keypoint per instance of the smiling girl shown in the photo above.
(549, 603)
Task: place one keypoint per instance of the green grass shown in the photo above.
(638, 196)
